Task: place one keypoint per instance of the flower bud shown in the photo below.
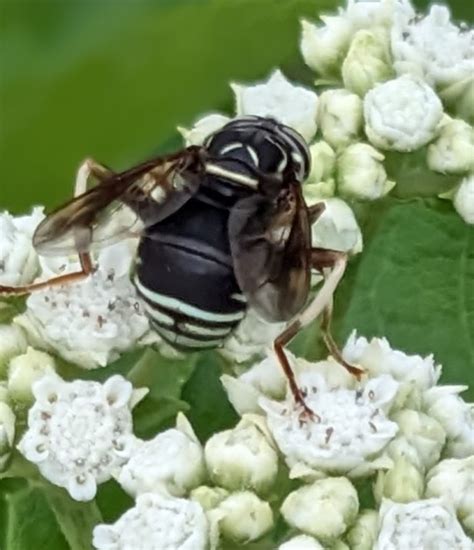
(301, 542)
(361, 174)
(363, 534)
(203, 128)
(424, 433)
(7, 433)
(463, 199)
(324, 47)
(340, 117)
(367, 62)
(24, 370)
(208, 497)
(453, 150)
(4, 397)
(455, 415)
(323, 162)
(402, 114)
(337, 228)
(18, 258)
(453, 481)
(292, 105)
(244, 517)
(242, 458)
(324, 509)
(12, 342)
(172, 460)
(401, 483)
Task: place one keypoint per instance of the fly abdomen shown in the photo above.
(186, 279)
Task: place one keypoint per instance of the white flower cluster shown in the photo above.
(396, 422)
(391, 76)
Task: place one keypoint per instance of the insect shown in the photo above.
(223, 227)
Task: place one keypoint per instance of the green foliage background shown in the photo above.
(112, 80)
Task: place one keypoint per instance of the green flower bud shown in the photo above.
(242, 458)
(323, 162)
(460, 97)
(208, 497)
(453, 150)
(7, 433)
(402, 483)
(24, 370)
(301, 542)
(12, 342)
(244, 517)
(323, 47)
(368, 61)
(340, 116)
(423, 433)
(364, 533)
(324, 509)
(463, 199)
(361, 174)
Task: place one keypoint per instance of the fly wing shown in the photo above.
(119, 207)
(270, 243)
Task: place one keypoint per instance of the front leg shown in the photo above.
(89, 168)
(321, 304)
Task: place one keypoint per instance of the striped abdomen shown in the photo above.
(186, 278)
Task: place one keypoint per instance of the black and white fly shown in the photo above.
(222, 227)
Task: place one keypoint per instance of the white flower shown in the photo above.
(455, 415)
(463, 199)
(324, 509)
(90, 322)
(156, 522)
(292, 105)
(251, 338)
(323, 160)
(361, 174)
(18, 258)
(79, 432)
(12, 343)
(7, 433)
(427, 524)
(352, 427)
(324, 46)
(422, 432)
(363, 533)
(402, 114)
(26, 369)
(453, 150)
(267, 378)
(368, 61)
(403, 482)
(242, 458)
(171, 461)
(301, 542)
(337, 228)
(340, 118)
(453, 481)
(203, 128)
(434, 47)
(377, 357)
(244, 517)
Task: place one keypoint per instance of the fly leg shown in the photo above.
(321, 260)
(321, 304)
(87, 169)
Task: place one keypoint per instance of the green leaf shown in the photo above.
(210, 409)
(26, 521)
(413, 284)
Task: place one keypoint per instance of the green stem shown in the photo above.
(139, 375)
(75, 519)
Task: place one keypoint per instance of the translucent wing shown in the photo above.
(121, 206)
(270, 243)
